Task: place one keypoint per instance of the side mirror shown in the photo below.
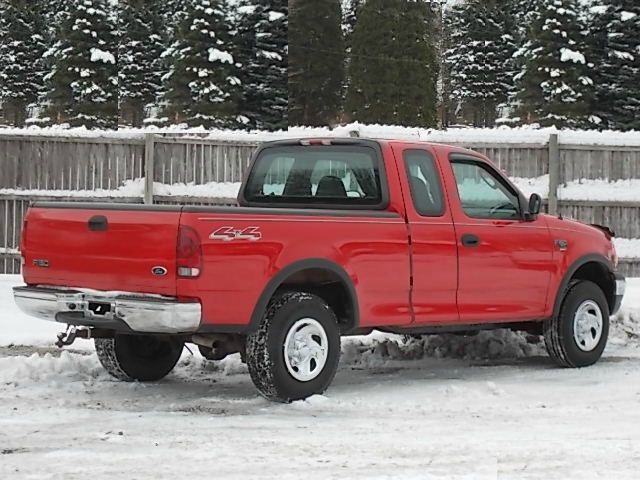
(535, 203)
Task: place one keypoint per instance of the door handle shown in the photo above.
(470, 240)
(98, 223)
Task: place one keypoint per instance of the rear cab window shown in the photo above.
(317, 176)
(424, 181)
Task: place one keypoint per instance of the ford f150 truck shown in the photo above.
(331, 237)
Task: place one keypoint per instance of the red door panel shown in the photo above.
(505, 264)
(506, 276)
(433, 242)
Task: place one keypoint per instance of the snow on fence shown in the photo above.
(145, 166)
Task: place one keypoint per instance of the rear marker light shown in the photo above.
(188, 272)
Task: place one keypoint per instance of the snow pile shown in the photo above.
(463, 136)
(493, 344)
(129, 188)
(627, 247)
(527, 186)
(17, 328)
(625, 327)
(600, 190)
(135, 189)
(485, 345)
(69, 367)
(210, 190)
(192, 363)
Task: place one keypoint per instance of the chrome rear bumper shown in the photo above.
(137, 313)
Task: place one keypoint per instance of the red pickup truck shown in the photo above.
(332, 237)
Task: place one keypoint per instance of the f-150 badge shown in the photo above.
(227, 234)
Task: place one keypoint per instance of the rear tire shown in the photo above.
(294, 353)
(578, 335)
(145, 358)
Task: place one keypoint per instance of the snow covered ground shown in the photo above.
(490, 406)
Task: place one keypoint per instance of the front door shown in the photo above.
(505, 262)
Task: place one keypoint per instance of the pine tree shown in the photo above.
(261, 49)
(201, 84)
(316, 62)
(479, 58)
(614, 41)
(555, 82)
(173, 13)
(22, 44)
(350, 10)
(83, 83)
(140, 66)
(393, 66)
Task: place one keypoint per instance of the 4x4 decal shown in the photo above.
(228, 234)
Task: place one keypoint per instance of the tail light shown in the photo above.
(189, 253)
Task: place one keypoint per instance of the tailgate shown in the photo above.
(114, 248)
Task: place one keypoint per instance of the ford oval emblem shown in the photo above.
(159, 271)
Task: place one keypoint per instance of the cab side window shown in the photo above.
(483, 194)
(424, 180)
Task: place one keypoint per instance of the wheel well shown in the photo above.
(329, 286)
(599, 274)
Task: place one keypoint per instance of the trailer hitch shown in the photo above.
(68, 337)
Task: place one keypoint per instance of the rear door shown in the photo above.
(505, 262)
(127, 248)
(434, 253)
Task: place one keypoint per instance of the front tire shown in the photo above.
(145, 358)
(294, 353)
(578, 335)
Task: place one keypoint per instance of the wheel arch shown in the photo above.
(321, 277)
(595, 268)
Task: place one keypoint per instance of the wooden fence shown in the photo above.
(63, 163)
(624, 218)
(59, 163)
(82, 163)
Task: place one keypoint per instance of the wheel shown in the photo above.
(578, 335)
(139, 357)
(294, 353)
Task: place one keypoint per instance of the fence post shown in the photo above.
(149, 158)
(554, 173)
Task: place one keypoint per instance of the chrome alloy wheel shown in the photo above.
(587, 326)
(306, 349)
